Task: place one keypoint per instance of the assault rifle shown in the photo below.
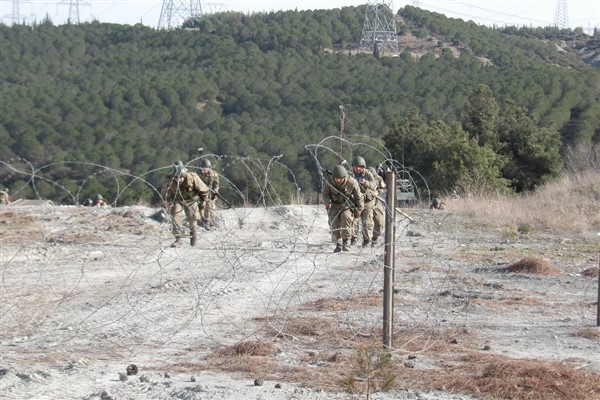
(228, 204)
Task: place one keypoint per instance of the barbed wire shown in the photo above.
(103, 280)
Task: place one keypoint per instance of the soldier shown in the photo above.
(344, 203)
(368, 187)
(378, 208)
(183, 195)
(211, 179)
(4, 197)
(437, 204)
(100, 202)
(88, 202)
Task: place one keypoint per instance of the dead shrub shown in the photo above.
(250, 348)
(532, 265)
(339, 304)
(590, 272)
(303, 326)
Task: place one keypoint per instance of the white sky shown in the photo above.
(581, 13)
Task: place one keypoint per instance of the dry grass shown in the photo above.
(590, 272)
(484, 376)
(588, 333)
(568, 204)
(532, 265)
(498, 377)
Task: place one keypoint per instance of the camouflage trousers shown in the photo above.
(190, 210)
(366, 220)
(207, 214)
(378, 219)
(341, 220)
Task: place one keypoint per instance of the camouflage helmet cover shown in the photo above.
(373, 170)
(339, 172)
(359, 162)
(205, 163)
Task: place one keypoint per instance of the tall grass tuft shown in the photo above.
(570, 203)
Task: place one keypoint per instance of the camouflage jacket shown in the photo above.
(191, 189)
(211, 178)
(347, 193)
(369, 187)
(380, 184)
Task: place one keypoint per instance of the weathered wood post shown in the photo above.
(388, 257)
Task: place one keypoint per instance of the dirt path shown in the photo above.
(86, 292)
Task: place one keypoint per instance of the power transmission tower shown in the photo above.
(561, 16)
(16, 16)
(175, 12)
(379, 29)
(73, 11)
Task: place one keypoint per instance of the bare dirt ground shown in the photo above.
(262, 308)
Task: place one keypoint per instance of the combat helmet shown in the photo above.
(175, 167)
(339, 172)
(99, 197)
(205, 163)
(359, 162)
(181, 171)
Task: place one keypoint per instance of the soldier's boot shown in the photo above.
(193, 240)
(345, 246)
(177, 242)
(338, 248)
(353, 241)
(366, 243)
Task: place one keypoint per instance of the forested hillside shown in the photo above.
(134, 99)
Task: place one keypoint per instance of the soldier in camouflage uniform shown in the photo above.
(437, 204)
(378, 208)
(4, 197)
(100, 202)
(184, 194)
(368, 187)
(211, 179)
(344, 203)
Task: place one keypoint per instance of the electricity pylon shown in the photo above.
(561, 16)
(15, 17)
(175, 12)
(379, 29)
(73, 11)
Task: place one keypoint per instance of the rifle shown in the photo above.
(228, 204)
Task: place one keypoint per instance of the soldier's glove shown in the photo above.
(356, 214)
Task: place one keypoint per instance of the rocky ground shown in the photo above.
(87, 292)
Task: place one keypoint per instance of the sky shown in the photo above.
(580, 13)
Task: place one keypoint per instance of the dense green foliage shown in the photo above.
(117, 102)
